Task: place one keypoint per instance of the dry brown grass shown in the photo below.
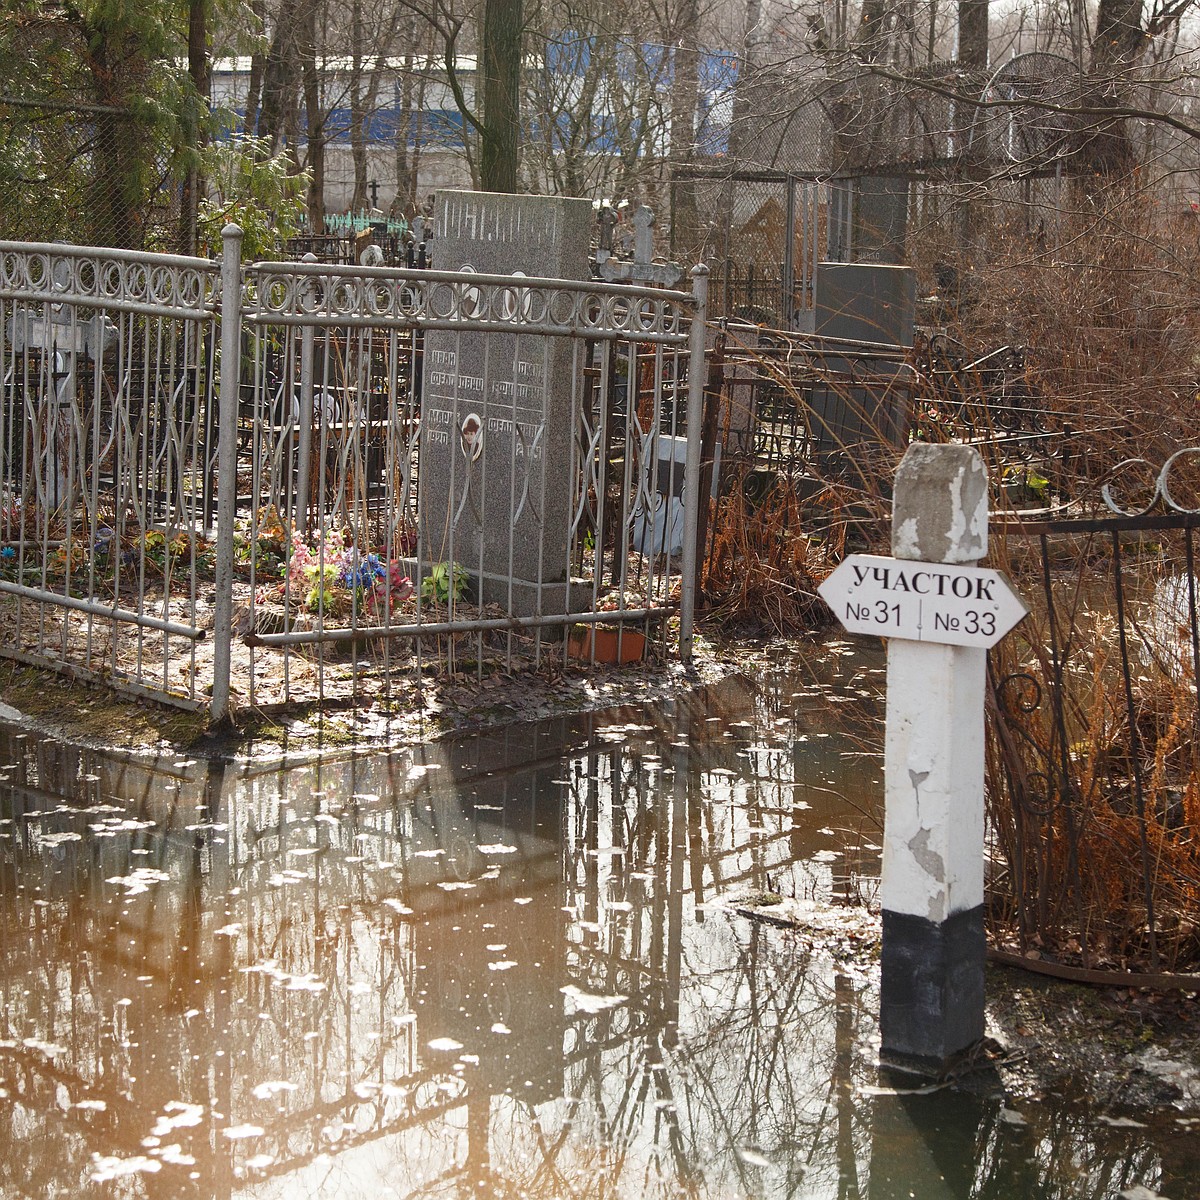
(760, 572)
(1093, 801)
(1104, 297)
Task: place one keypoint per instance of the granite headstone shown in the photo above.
(497, 423)
(862, 302)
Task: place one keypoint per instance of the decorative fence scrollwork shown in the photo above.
(1161, 491)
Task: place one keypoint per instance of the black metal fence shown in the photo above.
(808, 411)
(1093, 774)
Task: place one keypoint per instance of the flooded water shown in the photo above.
(501, 966)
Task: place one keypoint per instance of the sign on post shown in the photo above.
(948, 603)
(940, 613)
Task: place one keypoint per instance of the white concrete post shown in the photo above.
(931, 1001)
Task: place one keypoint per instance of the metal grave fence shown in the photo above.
(106, 451)
(408, 471)
(1092, 727)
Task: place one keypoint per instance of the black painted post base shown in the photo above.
(931, 998)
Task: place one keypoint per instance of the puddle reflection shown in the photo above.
(493, 967)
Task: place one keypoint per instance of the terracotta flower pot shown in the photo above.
(592, 643)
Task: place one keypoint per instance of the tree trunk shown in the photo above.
(358, 109)
(281, 73)
(1118, 44)
(117, 189)
(503, 22)
(254, 87)
(743, 125)
(314, 114)
(195, 133)
(973, 34)
(685, 218)
(871, 40)
(408, 123)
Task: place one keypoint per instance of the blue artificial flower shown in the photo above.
(359, 572)
(8, 552)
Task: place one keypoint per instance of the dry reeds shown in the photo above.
(1102, 296)
(760, 569)
(1094, 773)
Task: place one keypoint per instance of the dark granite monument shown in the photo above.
(498, 419)
(863, 302)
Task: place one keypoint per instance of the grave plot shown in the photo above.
(296, 483)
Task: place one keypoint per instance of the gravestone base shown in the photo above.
(489, 588)
(525, 598)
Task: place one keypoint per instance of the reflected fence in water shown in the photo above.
(493, 967)
(471, 955)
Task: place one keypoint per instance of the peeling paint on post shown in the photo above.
(931, 1002)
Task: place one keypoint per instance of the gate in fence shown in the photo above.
(764, 233)
(297, 483)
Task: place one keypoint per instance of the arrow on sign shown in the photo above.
(923, 602)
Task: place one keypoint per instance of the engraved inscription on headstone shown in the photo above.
(497, 421)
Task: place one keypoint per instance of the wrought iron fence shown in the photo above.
(805, 411)
(106, 454)
(799, 407)
(1093, 767)
(763, 233)
(990, 401)
(303, 482)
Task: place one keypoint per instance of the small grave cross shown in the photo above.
(643, 269)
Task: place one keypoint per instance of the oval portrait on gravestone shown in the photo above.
(470, 305)
(471, 436)
(516, 300)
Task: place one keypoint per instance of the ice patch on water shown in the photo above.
(106, 1167)
(139, 880)
(111, 826)
(49, 1049)
(174, 1155)
(179, 1115)
(751, 1156)
(236, 1133)
(586, 1002)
